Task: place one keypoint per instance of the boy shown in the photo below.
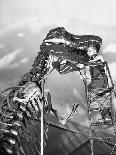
(99, 80)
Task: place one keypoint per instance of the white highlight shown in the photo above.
(14, 132)
(20, 35)
(47, 90)
(55, 40)
(24, 60)
(63, 122)
(7, 59)
(12, 141)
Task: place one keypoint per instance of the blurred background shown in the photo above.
(23, 26)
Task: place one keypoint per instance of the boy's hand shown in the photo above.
(81, 66)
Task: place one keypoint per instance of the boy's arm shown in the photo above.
(80, 66)
(97, 59)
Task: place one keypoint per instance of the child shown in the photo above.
(97, 72)
(98, 77)
(99, 80)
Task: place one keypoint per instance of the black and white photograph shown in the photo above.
(57, 77)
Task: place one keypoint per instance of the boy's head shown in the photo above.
(91, 51)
